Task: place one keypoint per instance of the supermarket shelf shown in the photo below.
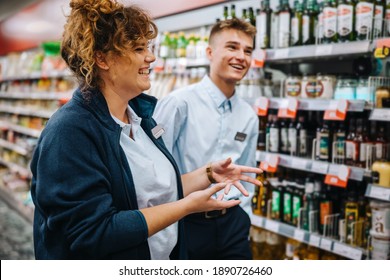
(380, 114)
(26, 111)
(37, 95)
(26, 211)
(378, 192)
(318, 51)
(318, 104)
(11, 146)
(15, 168)
(20, 129)
(39, 75)
(314, 166)
(313, 239)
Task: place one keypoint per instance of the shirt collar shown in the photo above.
(134, 121)
(217, 95)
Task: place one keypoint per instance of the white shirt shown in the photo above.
(201, 125)
(154, 179)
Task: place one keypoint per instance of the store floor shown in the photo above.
(16, 241)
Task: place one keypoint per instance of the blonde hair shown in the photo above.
(234, 23)
(101, 25)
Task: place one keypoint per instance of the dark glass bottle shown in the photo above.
(330, 21)
(284, 145)
(346, 17)
(274, 135)
(287, 202)
(340, 137)
(380, 142)
(309, 19)
(263, 25)
(292, 138)
(284, 25)
(366, 142)
(297, 200)
(302, 136)
(323, 142)
(358, 140)
(350, 147)
(225, 12)
(277, 202)
(326, 227)
(261, 140)
(296, 25)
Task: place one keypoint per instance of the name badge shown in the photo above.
(157, 131)
(240, 137)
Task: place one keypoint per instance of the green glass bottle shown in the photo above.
(251, 16)
(330, 21)
(309, 19)
(225, 12)
(346, 17)
(296, 25)
(364, 19)
(284, 25)
(263, 25)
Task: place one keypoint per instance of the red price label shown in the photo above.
(337, 110)
(261, 106)
(340, 179)
(258, 58)
(288, 108)
(270, 164)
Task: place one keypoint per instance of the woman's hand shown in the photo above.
(228, 172)
(202, 201)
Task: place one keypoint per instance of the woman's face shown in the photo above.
(128, 75)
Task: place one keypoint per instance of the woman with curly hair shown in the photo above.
(104, 186)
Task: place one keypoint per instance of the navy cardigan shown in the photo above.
(82, 185)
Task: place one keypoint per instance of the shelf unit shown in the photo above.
(378, 192)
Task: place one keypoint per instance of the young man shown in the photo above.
(207, 121)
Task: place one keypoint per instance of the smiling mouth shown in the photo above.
(144, 71)
(237, 66)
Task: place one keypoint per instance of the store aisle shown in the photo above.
(16, 242)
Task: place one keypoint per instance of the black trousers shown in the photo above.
(225, 237)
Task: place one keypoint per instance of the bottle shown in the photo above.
(330, 21)
(351, 216)
(232, 12)
(364, 19)
(320, 29)
(255, 203)
(296, 25)
(365, 143)
(274, 132)
(379, 15)
(297, 201)
(326, 209)
(261, 139)
(346, 17)
(380, 142)
(181, 45)
(310, 219)
(277, 201)
(302, 136)
(287, 202)
(323, 142)
(265, 195)
(173, 45)
(292, 136)
(309, 19)
(251, 16)
(284, 145)
(350, 145)
(165, 45)
(258, 246)
(340, 137)
(358, 142)
(284, 25)
(244, 16)
(263, 25)
(225, 12)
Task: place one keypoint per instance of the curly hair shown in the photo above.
(234, 23)
(101, 25)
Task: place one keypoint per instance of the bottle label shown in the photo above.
(293, 88)
(344, 19)
(294, 30)
(302, 142)
(364, 18)
(350, 150)
(261, 25)
(325, 210)
(305, 28)
(284, 29)
(340, 138)
(311, 89)
(284, 139)
(164, 51)
(296, 201)
(330, 22)
(320, 26)
(363, 152)
(324, 146)
(274, 140)
(379, 150)
(378, 21)
(287, 209)
(292, 139)
(276, 204)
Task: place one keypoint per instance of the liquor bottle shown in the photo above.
(284, 145)
(165, 45)
(265, 195)
(225, 12)
(380, 142)
(296, 25)
(302, 136)
(309, 19)
(284, 24)
(323, 142)
(297, 200)
(261, 140)
(173, 45)
(351, 216)
(263, 25)
(258, 246)
(330, 21)
(292, 136)
(244, 15)
(346, 17)
(320, 29)
(379, 15)
(340, 137)
(365, 143)
(358, 142)
(326, 209)
(232, 11)
(364, 19)
(350, 146)
(287, 202)
(256, 200)
(274, 138)
(310, 202)
(277, 201)
(251, 16)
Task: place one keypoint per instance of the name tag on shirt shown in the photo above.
(157, 131)
(240, 137)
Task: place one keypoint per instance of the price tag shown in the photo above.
(272, 226)
(340, 179)
(299, 235)
(314, 240)
(337, 110)
(299, 163)
(257, 221)
(380, 193)
(320, 167)
(281, 53)
(326, 244)
(261, 106)
(346, 251)
(270, 164)
(258, 58)
(380, 115)
(323, 50)
(288, 108)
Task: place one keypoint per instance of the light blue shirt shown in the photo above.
(154, 180)
(201, 125)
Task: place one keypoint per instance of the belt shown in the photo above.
(211, 214)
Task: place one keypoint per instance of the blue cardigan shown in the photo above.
(83, 188)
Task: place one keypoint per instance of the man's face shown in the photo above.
(230, 55)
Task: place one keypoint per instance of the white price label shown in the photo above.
(299, 235)
(326, 244)
(314, 240)
(346, 251)
(272, 226)
(299, 163)
(380, 115)
(257, 221)
(320, 167)
(380, 193)
(324, 50)
(281, 53)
